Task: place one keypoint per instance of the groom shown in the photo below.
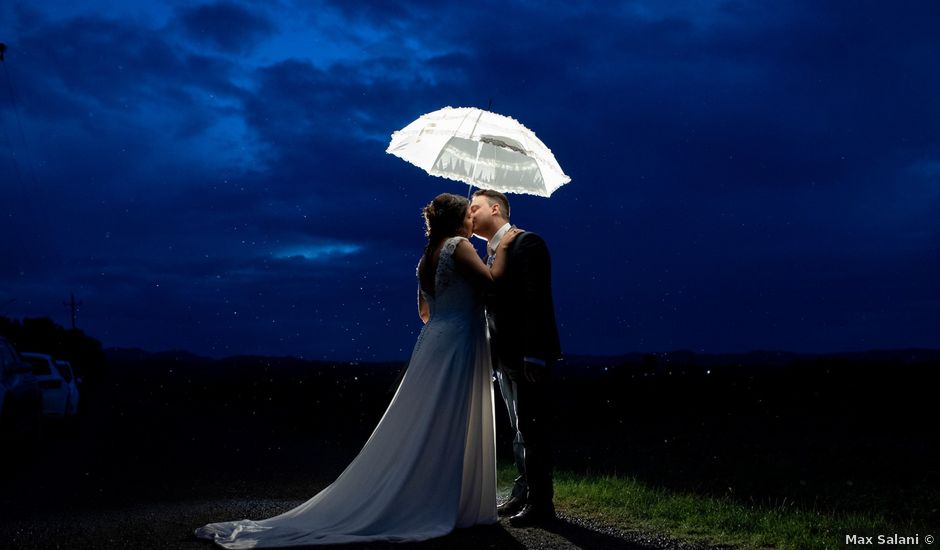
(524, 346)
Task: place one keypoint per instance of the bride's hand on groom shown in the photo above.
(508, 237)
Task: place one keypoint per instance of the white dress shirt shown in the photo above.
(493, 244)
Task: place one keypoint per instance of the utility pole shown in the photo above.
(73, 305)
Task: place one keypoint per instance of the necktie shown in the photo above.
(490, 259)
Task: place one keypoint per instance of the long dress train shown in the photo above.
(430, 464)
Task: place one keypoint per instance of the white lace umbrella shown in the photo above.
(481, 148)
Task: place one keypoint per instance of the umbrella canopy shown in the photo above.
(481, 148)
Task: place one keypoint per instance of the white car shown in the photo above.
(56, 392)
(65, 369)
(20, 398)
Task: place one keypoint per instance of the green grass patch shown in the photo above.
(628, 504)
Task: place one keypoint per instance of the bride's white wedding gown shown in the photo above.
(430, 464)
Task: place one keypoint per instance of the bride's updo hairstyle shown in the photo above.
(443, 218)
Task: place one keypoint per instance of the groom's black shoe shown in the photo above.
(511, 507)
(534, 514)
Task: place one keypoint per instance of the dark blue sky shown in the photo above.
(212, 176)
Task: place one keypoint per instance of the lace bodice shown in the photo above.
(453, 293)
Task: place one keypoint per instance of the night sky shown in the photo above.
(213, 177)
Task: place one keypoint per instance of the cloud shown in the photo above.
(318, 252)
(228, 26)
(234, 155)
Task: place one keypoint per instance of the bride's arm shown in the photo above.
(474, 268)
(423, 311)
(471, 266)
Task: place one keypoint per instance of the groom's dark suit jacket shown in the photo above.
(520, 310)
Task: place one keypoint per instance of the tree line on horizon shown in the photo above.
(43, 335)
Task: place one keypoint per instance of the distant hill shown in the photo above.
(137, 354)
(757, 358)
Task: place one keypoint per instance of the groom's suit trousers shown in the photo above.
(529, 408)
(507, 387)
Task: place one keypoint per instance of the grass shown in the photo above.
(628, 504)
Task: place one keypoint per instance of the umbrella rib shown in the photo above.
(476, 161)
(475, 124)
(464, 119)
(479, 147)
(459, 126)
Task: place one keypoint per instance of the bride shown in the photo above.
(430, 464)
